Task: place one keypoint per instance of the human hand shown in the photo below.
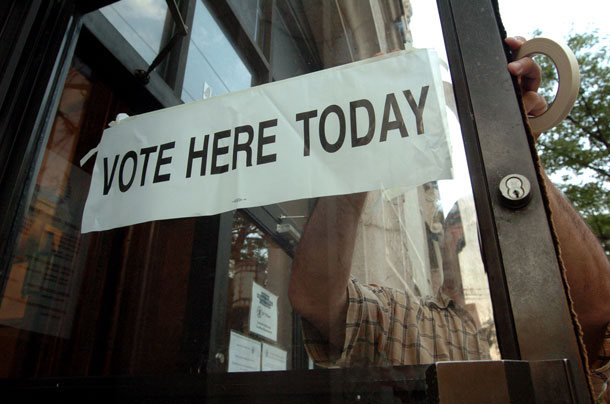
(529, 75)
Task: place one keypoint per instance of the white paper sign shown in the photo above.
(273, 358)
(263, 312)
(374, 124)
(244, 354)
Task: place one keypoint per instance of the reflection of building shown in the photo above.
(399, 240)
(472, 273)
(346, 31)
(404, 241)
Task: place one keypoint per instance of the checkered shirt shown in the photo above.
(391, 327)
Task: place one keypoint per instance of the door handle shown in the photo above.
(568, 77)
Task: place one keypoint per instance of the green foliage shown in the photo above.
(578, 150)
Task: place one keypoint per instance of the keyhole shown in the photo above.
(515, 187)
(515, 191)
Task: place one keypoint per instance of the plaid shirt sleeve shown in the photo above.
(389, 327)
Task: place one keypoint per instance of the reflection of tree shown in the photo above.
(248, 243)
(249, 256)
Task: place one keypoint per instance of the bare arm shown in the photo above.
(322, 265)
(587, 268)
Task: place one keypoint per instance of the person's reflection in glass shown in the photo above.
(347, 323)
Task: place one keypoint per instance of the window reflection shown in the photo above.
(213, 66)
(259, 316)
(107, 303)
(250, 15)
(286, 57)
(42, 287)
(407, 241)
(142, 23)
(116, 302)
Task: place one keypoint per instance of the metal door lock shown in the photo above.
(515, 191)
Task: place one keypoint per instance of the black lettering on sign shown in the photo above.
(398, 123)
(219, 151)
(130, 155)
(244, 147)
(199, 154)
(418, 110)
(263, 140)
(161, 161)
(146, 153)
(107, 179)
(305, 117)
(366, 139)
(332, 147)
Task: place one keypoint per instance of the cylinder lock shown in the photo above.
(515, 191)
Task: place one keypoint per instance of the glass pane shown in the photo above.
(109, 303)
(133, 300)
(250, 14)
(416, 251)
(213, 66)
(465, 279)
(142, 23)
(286, 58)
(139, 299)
(44, 280)
(258, 311)
(41, 290)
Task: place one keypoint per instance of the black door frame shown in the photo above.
(519, 245)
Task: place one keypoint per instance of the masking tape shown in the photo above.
(569, 80)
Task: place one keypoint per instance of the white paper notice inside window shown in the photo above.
(263, 312)
(244, 354)
(273, 358)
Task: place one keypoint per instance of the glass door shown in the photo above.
(432, 249)
(311, 298)
(420, 241)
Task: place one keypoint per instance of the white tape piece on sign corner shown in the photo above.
(375, 124)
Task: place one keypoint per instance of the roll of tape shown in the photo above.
(569, 80)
